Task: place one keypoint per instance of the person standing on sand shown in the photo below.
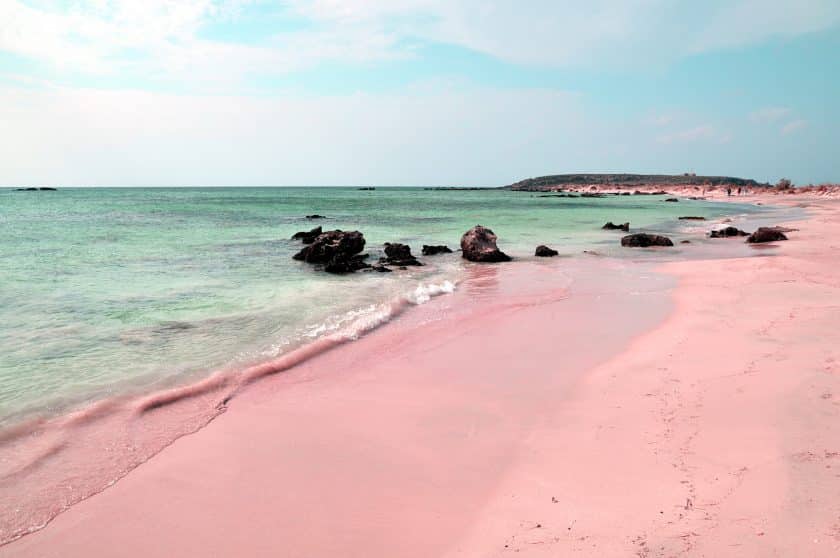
(729, 192)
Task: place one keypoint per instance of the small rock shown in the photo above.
(545, 252)
(692, 218)
(727, 232)
(399, 254)
(436, 249)
(610, 226)
(479, 245)
(644, 240)
(315, 216)
(672, 200)
(766, 234)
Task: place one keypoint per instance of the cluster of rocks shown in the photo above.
(341, 251)
(760, 235)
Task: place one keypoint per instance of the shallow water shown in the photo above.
(106, 291)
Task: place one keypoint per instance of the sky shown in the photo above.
(414, 92)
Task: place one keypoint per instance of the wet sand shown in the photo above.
(692, 411)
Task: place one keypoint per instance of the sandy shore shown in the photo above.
(690, 412)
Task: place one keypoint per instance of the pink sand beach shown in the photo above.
(687, 408)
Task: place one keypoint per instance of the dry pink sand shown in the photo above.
(595, 423)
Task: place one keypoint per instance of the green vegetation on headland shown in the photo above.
(555, 181)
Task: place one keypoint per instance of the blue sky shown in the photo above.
(414, 92)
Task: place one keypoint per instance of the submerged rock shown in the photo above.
(337, 250)
(315, 216)
(672, 200)
(692, 218)
(543, 251)
(727, 232)
(436, 249)
(399, 254)
(610, 226)
(479, 245)
(307, 237)
(766, 234)
(643, 240)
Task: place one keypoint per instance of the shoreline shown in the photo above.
(392, 343)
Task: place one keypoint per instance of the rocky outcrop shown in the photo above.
(766, 234)
(435, 249)
(545, 252)
(316, 216)
(727, 232)
(339, 251)
(610, 226)
(643, 240)
(307, 237)
(479, 245)
(398, 254)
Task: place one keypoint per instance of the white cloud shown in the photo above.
(703, 132)
(769, 115)
(794, 126)
(162, 37)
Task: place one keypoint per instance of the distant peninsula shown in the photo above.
(619, 181)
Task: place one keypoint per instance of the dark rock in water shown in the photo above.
(766, 234)
(625, 193)
(315, 216)
(592, 195)
(659, 193)
(692, 218)
(436, 249)
(727, 232)
(672, 200)
(399, 254)
(26, 189)
(307, 237)
(643, 240)
(610, 226)
(347, 265)
(380, 268)
(685, 242)
(545, 252)
(338, 250)
(479, 245)
(367, 188)
(47, 189)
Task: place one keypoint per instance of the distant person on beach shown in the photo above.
(729, 191)
(739, 190)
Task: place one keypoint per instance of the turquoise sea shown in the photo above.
(106, 291)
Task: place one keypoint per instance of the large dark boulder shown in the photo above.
(727, 232)
(766, 234)
(643, 240)
(399, 254)
(610, 226)
(479, 245)
(543, 251)
(434, 250)
(337, 250)
(307, 237)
